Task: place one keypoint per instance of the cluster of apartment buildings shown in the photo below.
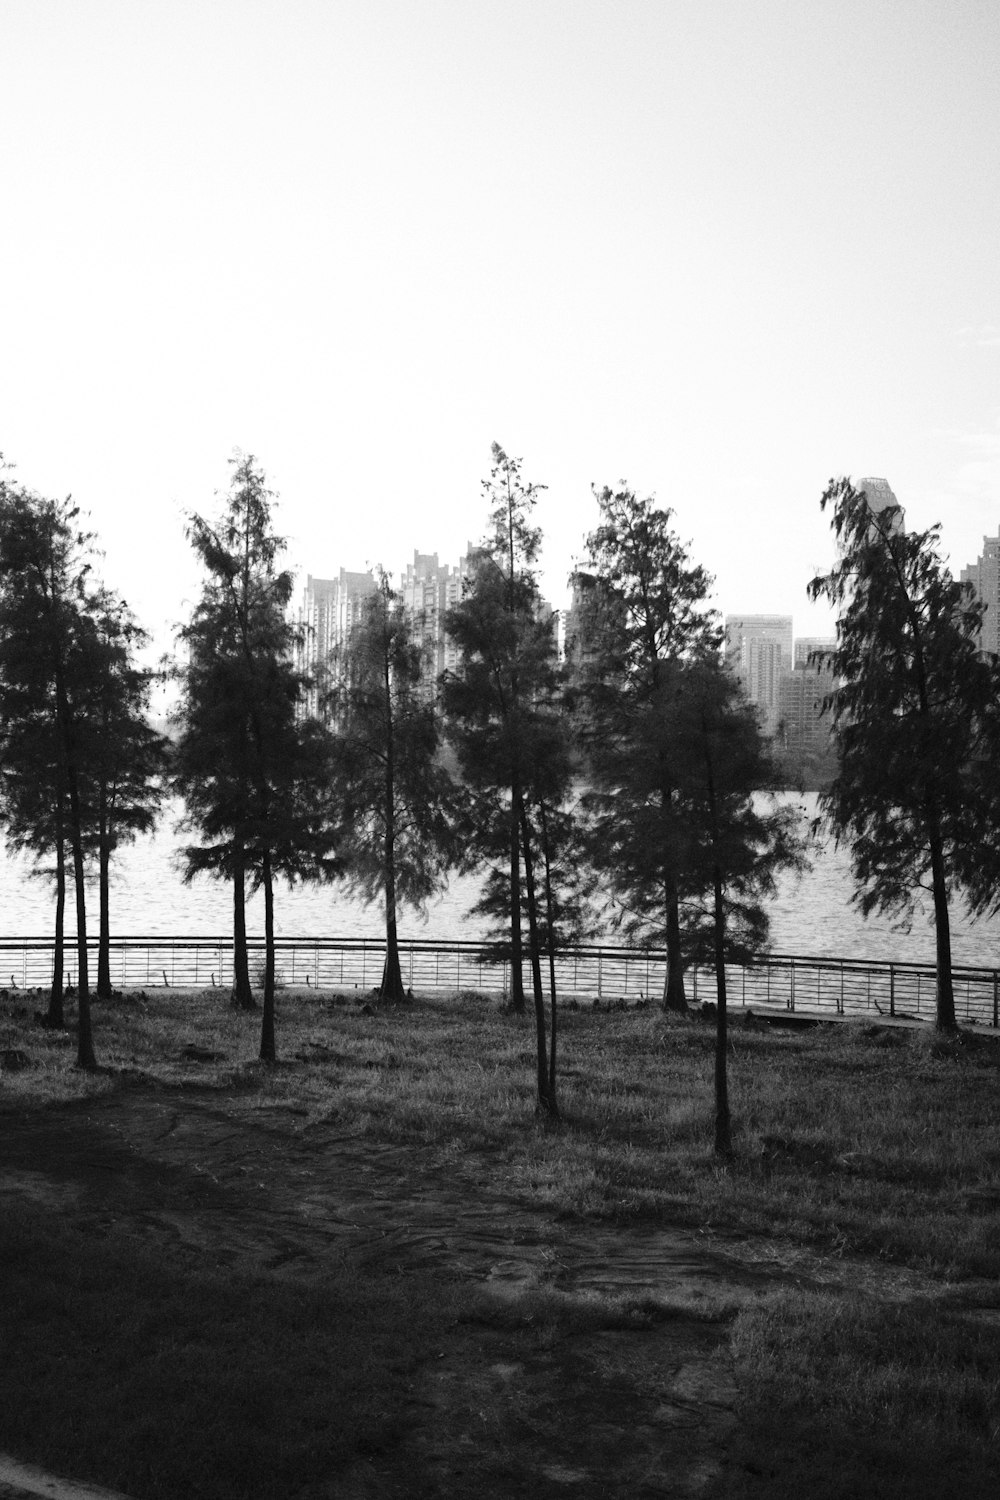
(783, 675)
(777, 672)
(429, 589)
(331, 606)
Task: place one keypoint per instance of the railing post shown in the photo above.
(892, 990)
(996, 999)
(791, 990)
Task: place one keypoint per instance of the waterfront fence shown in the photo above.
(819, 984)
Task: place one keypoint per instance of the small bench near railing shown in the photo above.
(836, 986)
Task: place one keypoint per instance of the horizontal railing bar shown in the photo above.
(826, 963)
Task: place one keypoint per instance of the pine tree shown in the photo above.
(643, 607)
(731, 838)
(255, 779)
(396, 800)
(909, 710)
(125, 757)
(48, 671)
(499, 704)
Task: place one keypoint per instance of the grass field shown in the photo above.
(870, 1150)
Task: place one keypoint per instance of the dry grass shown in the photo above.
(850, 1137)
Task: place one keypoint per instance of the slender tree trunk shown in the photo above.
(104, 914)
(267, 1052)
(723, 1124)
(550, 925)
(84, 1036)
(84, 1033)
(945, 988)
(242, 992)
(674, 997)
(56, 1016)
(546, 1095)
(392, 977)
(673, 987)
(392, 974)
(516, 956)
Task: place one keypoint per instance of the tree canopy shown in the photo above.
(642, 609)
(396, 800)
(912, 699)
(254, 776)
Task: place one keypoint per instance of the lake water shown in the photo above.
(810, 915)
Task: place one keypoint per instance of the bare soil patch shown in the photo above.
(605, 1411)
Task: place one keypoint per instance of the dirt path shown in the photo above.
(640, 1410)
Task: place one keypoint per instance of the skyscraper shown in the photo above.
(329, 609)
(880, 497)
(429, 589)
(759, 650)
(804, 731)
(984, 575)
(807, 646)
(742, 629)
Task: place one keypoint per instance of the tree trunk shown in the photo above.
(392, 974)
(267, 1052)
(516, 977)
(546, 1095)
(674, 997)
(392, 978)
(723, 1124)
(550, 924)
(84, 1035)
(104, 916)
(242, 992)
(945, 989)
(56, 1016)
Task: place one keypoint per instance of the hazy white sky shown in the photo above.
(723, 250)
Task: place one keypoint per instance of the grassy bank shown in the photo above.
(866, 1145)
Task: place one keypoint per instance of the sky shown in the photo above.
(722, 250)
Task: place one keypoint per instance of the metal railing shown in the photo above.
(838, 986)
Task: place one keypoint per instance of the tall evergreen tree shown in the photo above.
(731, 838)
(395, 797)
(912, 698)
(253, 776)
(48, 670)
(126, 757)
(643, 608)
(501, 601)
(500, 704)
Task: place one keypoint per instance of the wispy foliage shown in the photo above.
(396, 800)
(909, 710)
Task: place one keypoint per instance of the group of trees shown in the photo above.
(674, 825)
(80, 767)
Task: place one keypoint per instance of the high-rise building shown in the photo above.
(429, 590)
(803, 728)
(759, 650)
(330, 607)
(984, 576)
(742, 629)
(808, 646)
(880, 497)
